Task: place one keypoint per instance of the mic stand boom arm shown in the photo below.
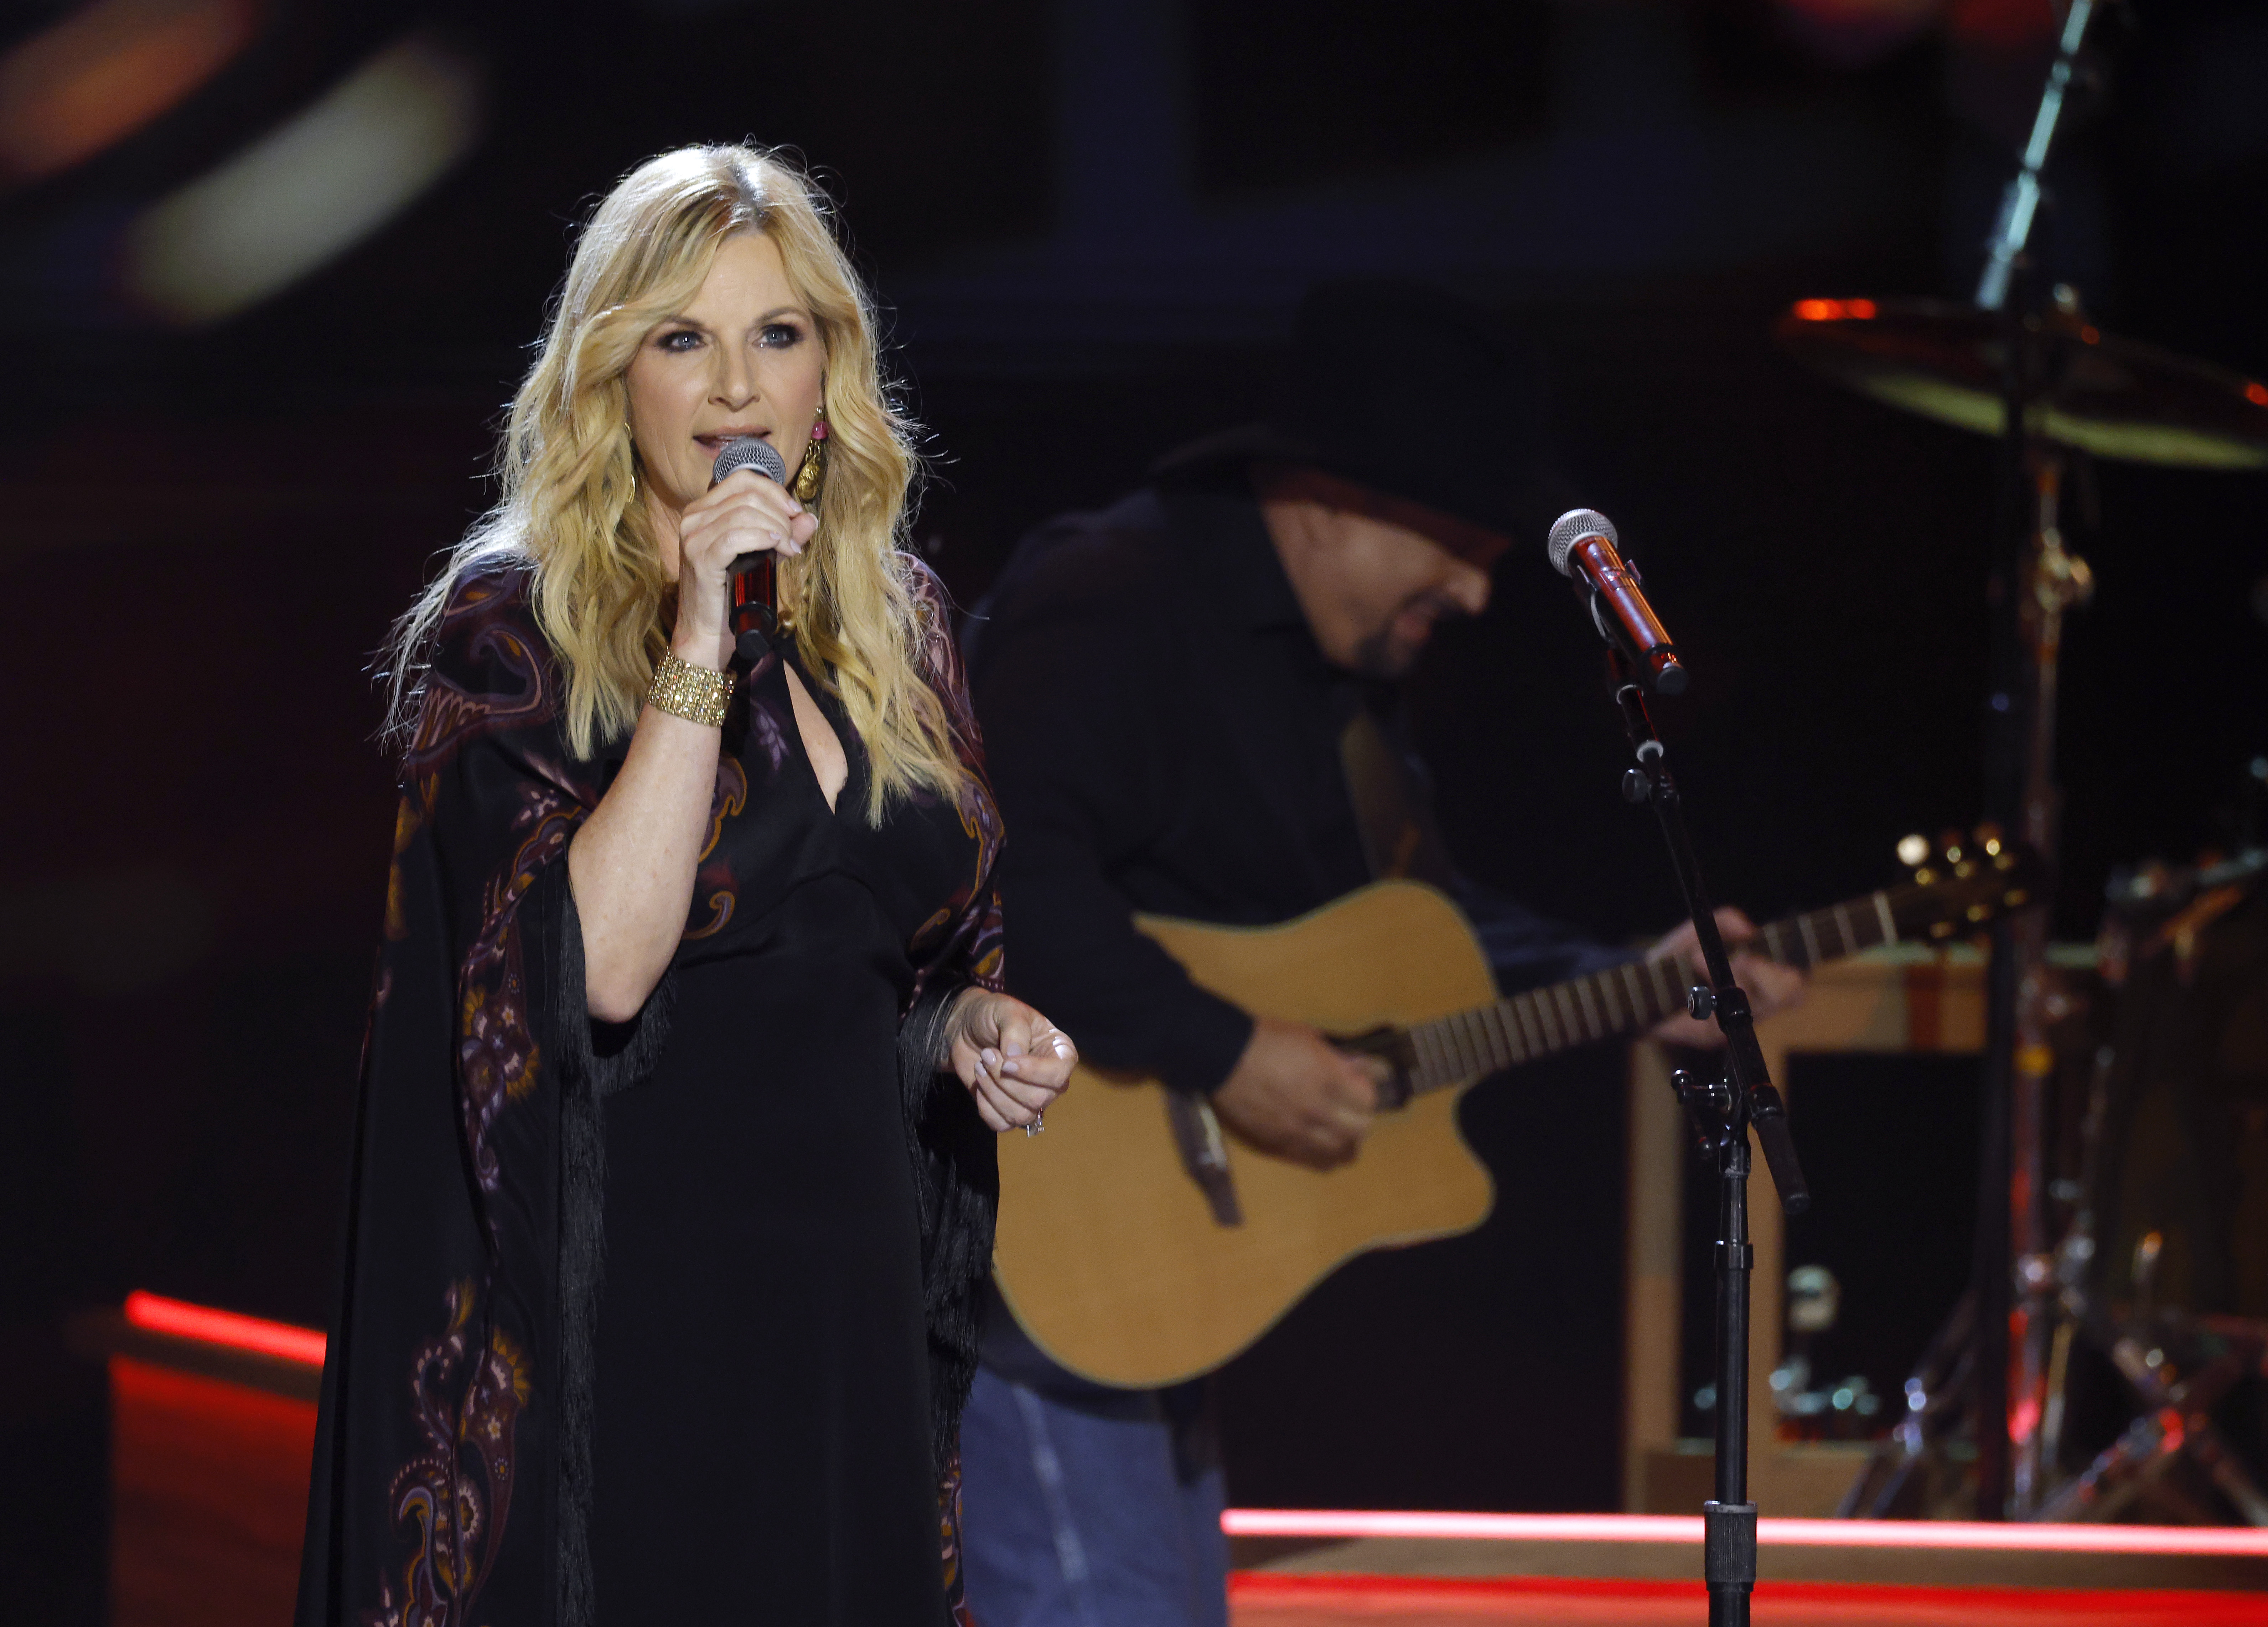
(1723, 1113)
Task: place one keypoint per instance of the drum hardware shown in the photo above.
(2094, 393)
(2052, 387)
(2175, 1422)
(2094, 1292)
(1833, 1410)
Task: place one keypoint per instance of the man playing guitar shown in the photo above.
(1187, 707)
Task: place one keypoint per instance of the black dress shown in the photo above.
(672, 1321)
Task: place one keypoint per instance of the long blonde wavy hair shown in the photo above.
(567, 465)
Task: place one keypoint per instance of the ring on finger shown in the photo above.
(1038, 1122)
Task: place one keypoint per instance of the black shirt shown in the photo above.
(1163, 736)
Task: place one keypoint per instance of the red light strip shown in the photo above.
(1686, 1528)
(212, 1326)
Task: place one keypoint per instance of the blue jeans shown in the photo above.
(1084, 1506)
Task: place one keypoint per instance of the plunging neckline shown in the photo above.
(797, 686)
(830, 713)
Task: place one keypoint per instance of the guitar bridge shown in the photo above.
(1204, 1154)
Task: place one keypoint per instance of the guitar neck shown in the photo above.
(1621, 1000)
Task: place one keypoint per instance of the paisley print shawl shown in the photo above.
(452, 1500)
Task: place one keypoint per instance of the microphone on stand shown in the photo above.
(1582, 546)
(756, 603)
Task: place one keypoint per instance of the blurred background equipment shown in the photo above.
(2111, 397)
(1828, 1410)
(99, 74)
(2173, 1196)
(308, 190)
(2025, 365)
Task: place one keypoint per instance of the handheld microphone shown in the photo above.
(755, 604)
(1582, 546)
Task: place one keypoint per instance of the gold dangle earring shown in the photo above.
(811, 475)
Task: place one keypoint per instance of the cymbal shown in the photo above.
(2115, 398)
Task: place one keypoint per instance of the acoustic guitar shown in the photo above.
(1139, 1247)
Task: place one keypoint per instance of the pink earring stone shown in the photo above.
(819, 430)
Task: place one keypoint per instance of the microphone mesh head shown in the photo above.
(748, 452)
(1571, 527)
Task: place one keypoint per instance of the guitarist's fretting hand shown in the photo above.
(1770, 986)
(1294, 1094)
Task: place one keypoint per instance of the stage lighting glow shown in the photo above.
(184, 1321)
(1835, 310)
(1686, 1528)
(105, 70)
(309, 190)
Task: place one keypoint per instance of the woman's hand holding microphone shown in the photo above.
(742, 514)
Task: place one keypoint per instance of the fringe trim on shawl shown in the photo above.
(587, 1074)
(957, 1188)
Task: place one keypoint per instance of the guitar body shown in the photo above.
(1136, 1252)
(1108, 1252)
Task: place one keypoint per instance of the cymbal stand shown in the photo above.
(1996, 1351)
(2012, 1370)
(2020, 204)
(2053, 581)
(1723, 1112)
(2032, 582)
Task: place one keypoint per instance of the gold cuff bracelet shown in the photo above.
(697, 694)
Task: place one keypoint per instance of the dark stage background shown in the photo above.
(1091, 218)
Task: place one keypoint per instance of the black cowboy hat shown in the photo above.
(1408, 390)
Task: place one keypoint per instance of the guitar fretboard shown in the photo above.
(1622, 999)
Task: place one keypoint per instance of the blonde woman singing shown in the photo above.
(673, 1182)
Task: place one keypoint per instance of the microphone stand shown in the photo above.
(1723, 1112)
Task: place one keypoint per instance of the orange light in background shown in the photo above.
(1835, 310)
(2257, 392)
(105, 71)
(183, 1320)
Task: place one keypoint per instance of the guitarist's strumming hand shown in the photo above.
(1294, 1094)
(1770, 986)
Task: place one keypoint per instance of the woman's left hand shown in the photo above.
(1014, 1061)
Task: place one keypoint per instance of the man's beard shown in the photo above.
(1379, 656)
